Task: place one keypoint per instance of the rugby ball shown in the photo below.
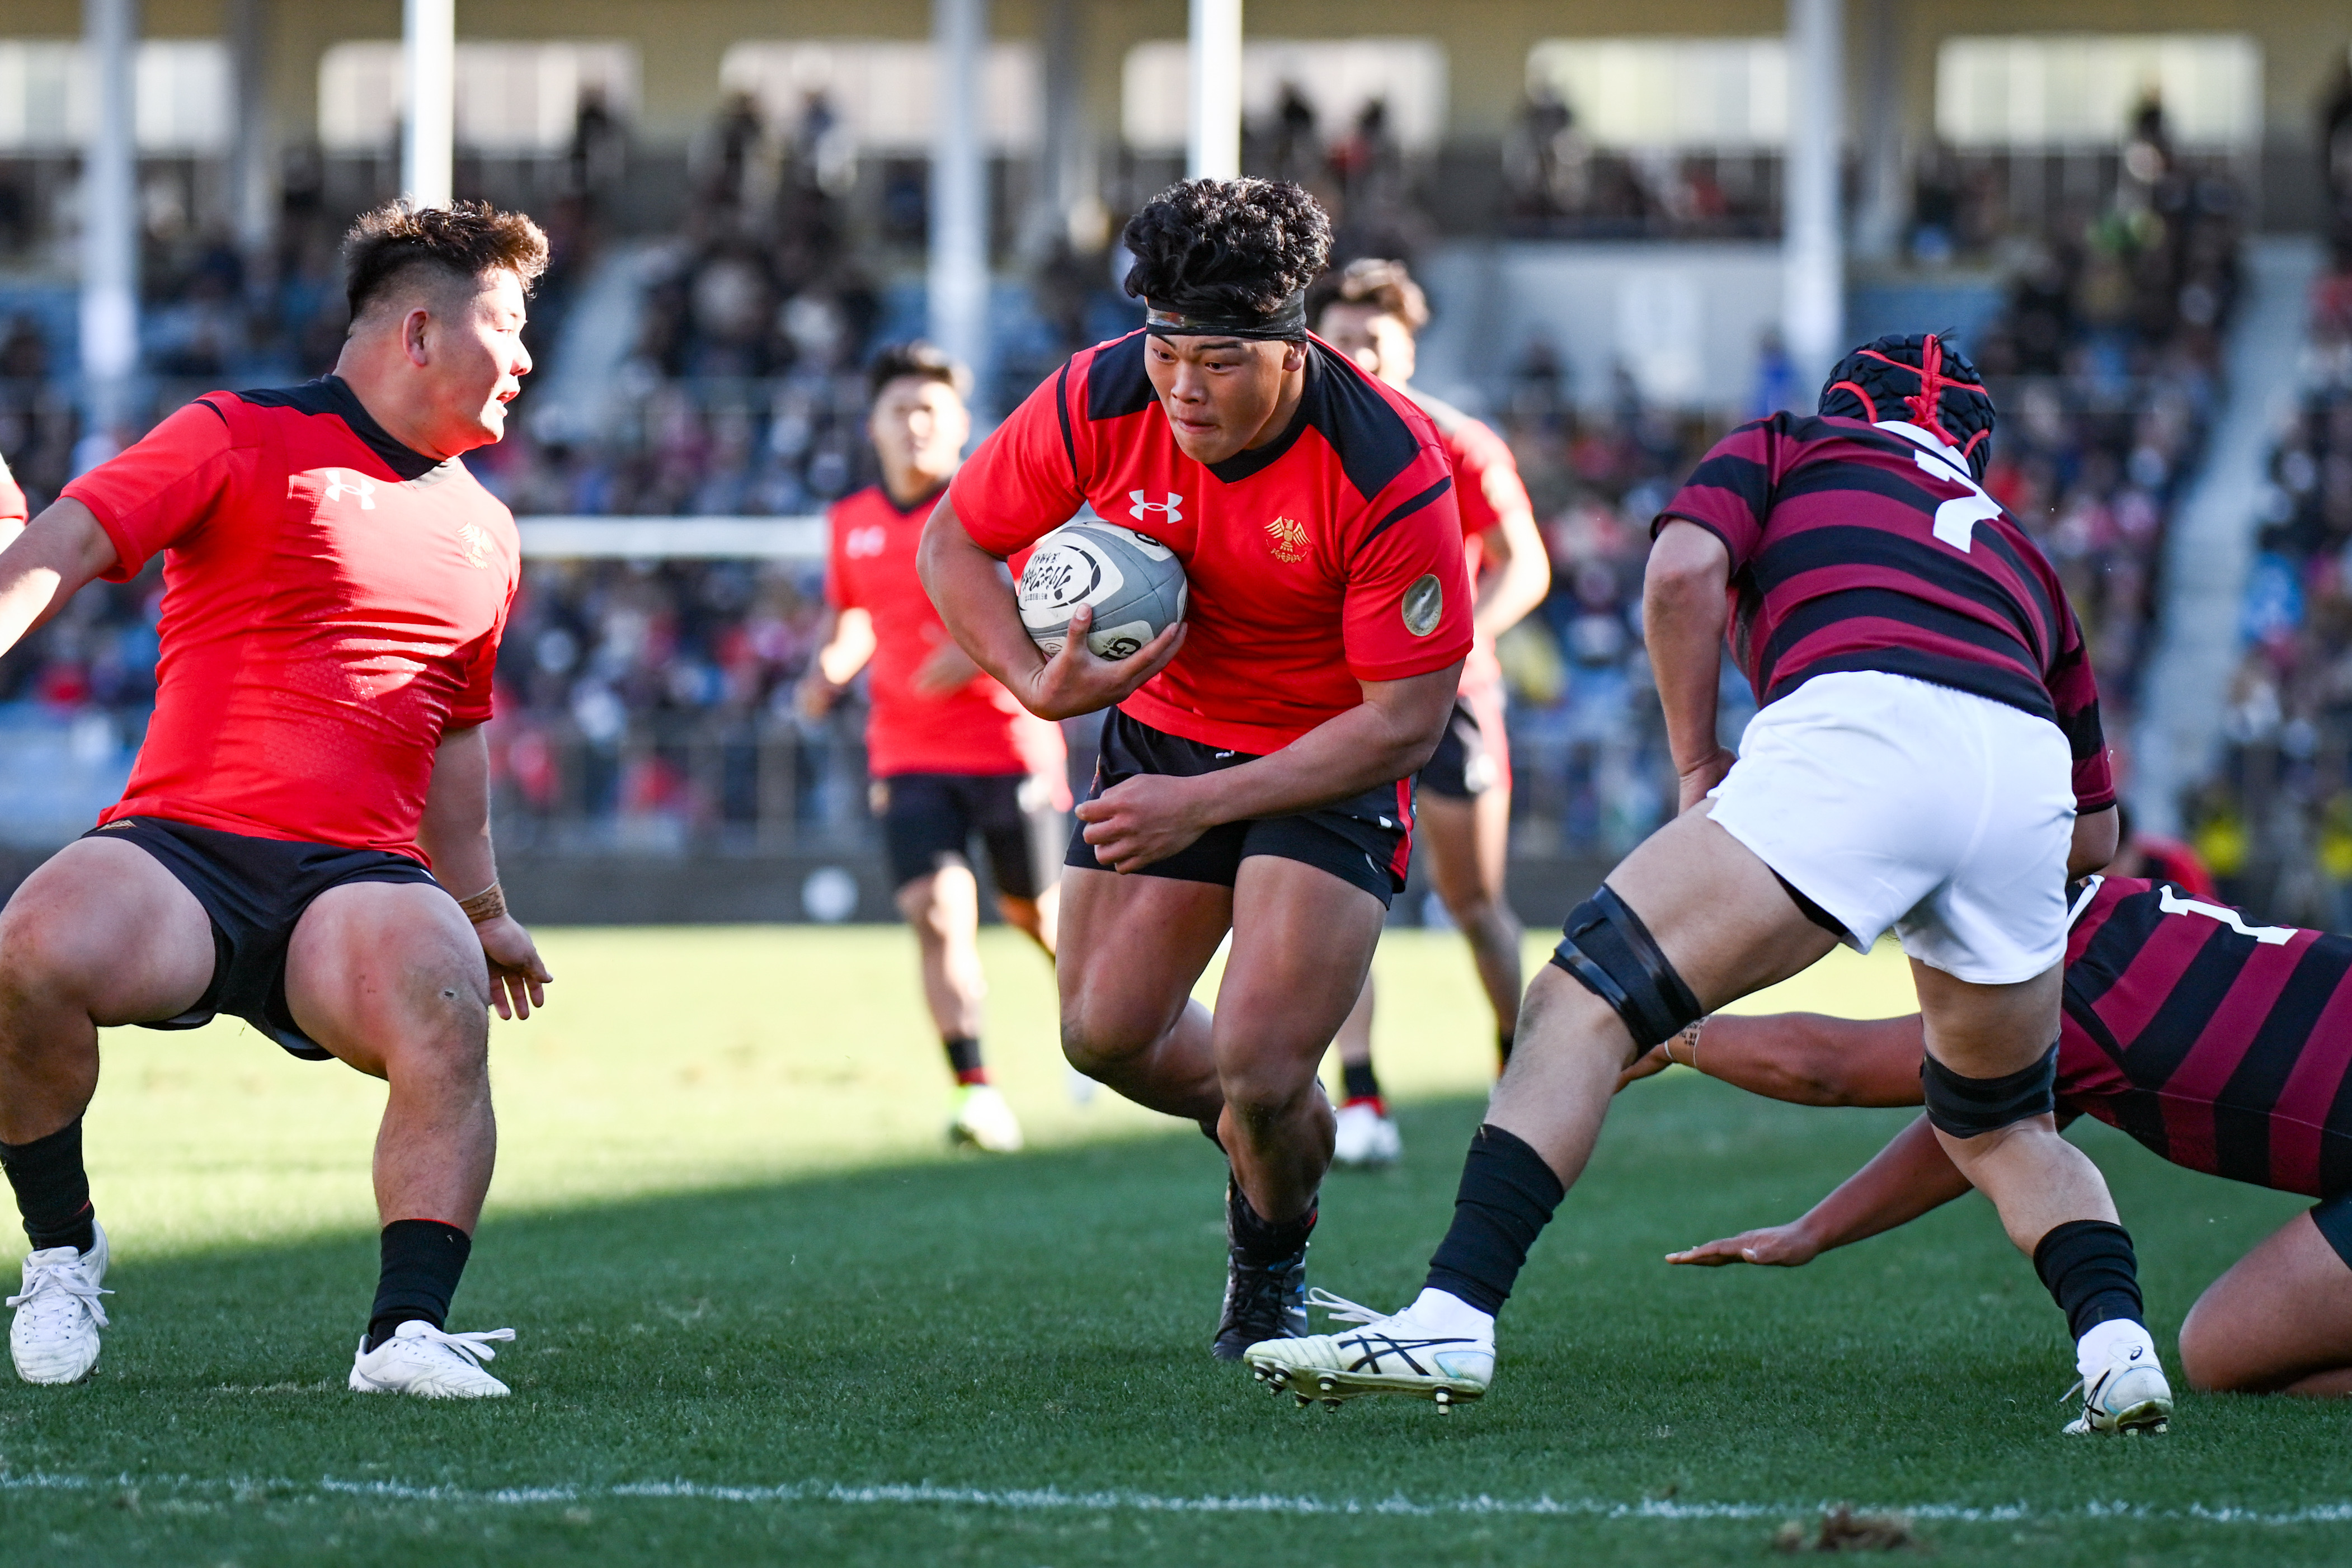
(1134, 582)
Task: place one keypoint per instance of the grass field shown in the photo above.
(764, 1318)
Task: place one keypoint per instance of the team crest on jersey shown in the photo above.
(1171, 509)
(1425, 604)
(1289, 540)
(339, 484)
(863, 542)
(474, 543)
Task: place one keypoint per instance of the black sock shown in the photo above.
(963, 1058)
(1504, 1039)
(1358, 1081)
(1261, 1242)
(1505, 1199)
(423, 1260)
(52, 1189)
(2092, 1273)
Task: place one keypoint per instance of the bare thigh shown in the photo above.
(2280, 1320)
(104, 927)
(1468, 842)
(1303, 943)
(1131, 949)
(378, 972)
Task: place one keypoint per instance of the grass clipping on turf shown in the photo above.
(1842, 1530)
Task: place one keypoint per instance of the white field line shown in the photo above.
(1050, 1499)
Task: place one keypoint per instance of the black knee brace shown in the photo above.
(1965, 1107)
(1614, 956)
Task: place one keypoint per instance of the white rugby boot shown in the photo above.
(2129, 1395)
(420, 1359)
(1441, 1350)
(55, 1336)
(1365, 1137)
(984, 1121)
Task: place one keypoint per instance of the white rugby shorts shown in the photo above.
(1894, 802)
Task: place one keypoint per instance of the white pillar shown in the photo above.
(1885, 161)
(1068, 206)
(253, 152)
(1813, 310)
(110, 279)
(959, 262)
(428, 136)
(1215, 147)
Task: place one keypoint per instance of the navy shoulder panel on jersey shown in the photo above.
(330, 395)
(1375, 442)
(1116, 384)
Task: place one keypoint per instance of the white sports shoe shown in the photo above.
(984, 1121)
(55, 1336)
(1387, 1355)
(2129, 1395)
(1364, 1139)
(420, 1359)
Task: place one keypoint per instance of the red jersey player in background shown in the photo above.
(2219, 1045)
(952, 756)
(1925, 758)
(334, 586)
(1374, 312)
(1257, 776)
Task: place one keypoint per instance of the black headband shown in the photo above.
(1285, 323)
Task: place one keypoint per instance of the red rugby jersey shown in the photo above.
(1330, 556)
(2220, 1044)
(1856, 547)
(332, 603)
(1486, 484)
(978, 727)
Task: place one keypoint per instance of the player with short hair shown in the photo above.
(1257, 771)
(1926, 756)
(951, 755)
(2217, 1044)
(335, 583)
(1374, 312)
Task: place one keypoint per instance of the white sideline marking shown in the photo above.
(1053, 1498)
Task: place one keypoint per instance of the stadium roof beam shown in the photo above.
(110, 283)
(958, 283)
(1813, 313)
(428, 133)
(1213, 124)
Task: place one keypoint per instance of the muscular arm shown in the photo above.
(2096, 842)
(1522, 573)
(455, 835)
(1905, 1179)
(53, 558)
(1683, 618)
(1804, 1058)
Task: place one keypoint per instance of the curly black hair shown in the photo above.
(1228, 246)
(1921, 378)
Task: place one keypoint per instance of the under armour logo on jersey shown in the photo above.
(361, 485)
(1173, 508)
(862, 542)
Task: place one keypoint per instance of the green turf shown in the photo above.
(764, 1319)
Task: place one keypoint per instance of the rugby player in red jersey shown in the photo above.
(2221, 1045)
(1256, 775)
(334, 586)
(1926, 756)
(1372, 316)
(950, 753)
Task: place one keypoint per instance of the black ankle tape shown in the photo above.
(423, 1261)
(52, 1189)
(1506, 1197)
(1260, 1240)
(1965, 1107)
(2090, 1272)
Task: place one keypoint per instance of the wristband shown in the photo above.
(486, 904)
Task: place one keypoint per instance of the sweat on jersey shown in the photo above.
(1330, 556)
(1856, 547)
(2220, 1044)
(332, 605)
(978, 728)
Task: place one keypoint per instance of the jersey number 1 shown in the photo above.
(2172, 903)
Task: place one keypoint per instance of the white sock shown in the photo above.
(1445, 1315)
(2117, 1339)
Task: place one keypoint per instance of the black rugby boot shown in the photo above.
(1266, 1279)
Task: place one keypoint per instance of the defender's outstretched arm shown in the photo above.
(1905, 1179)
(1805, 1059)
(56, 556)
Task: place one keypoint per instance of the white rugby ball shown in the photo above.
(1134, 582)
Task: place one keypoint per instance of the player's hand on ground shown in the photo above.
(1075, 682)
(518, 973)
(946, 672)
(1650, 1064)
(1143, 820)
(1779, 1246)
(1700, 777)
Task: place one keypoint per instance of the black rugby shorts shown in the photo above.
(1365, 841)
(930, 817)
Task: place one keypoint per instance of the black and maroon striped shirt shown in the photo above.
(1854, 546)
(2220, 1044)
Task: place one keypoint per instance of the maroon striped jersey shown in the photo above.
(1869, 547)
(2220, 1044)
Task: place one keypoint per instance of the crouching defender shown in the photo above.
(1256, 775)
(1926, 756)
(2218, 1044)
(335, 583)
